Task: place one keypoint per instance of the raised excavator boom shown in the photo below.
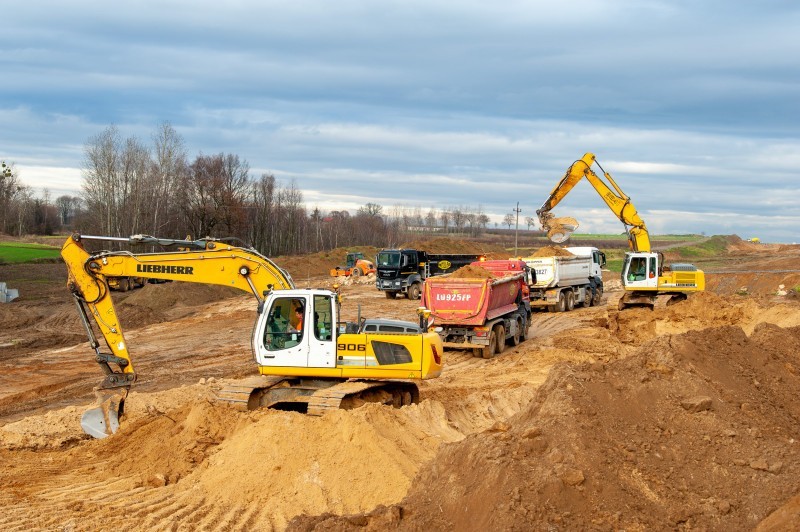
(309, 357)
(644, 274)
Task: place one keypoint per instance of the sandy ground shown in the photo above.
(678, 418)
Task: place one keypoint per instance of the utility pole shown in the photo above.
(516, 229)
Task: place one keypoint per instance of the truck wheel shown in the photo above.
(598, 295)
(515, 338)
(587, 300)
(570, 300)
(413, 291)
(526, 332)
(500, 332)
(489, 350)
(355, 272)
(390, 294)
(560, 305)
(123, 284)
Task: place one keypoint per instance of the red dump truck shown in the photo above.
(482, 306)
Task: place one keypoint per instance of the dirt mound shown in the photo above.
(674, 436)
(552, 251)
(451, 245)
(156, 303)
(470, 272)
(700, 311)
(342, 462)
(302, 267)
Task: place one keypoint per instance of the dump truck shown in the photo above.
(402, 271)
(566, 278)
(482, 307)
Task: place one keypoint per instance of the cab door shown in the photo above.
(321, 339)
(296, 331)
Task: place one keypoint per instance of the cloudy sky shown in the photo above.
(692, 105)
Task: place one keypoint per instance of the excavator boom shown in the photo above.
(203, 261)
(619, 202)
(306, 357)
(644, 274)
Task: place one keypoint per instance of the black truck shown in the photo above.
(404, 270)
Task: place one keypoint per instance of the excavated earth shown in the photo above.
(684, 417)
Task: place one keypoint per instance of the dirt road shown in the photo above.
(683, 417)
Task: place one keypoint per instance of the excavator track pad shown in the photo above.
(315, 396)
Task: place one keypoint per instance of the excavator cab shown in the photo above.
(296, 330)
(640, 271)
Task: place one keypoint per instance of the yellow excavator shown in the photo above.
(644, 274)
(308, 360)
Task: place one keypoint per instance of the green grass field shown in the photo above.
(17, 252)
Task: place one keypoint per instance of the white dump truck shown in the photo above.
(566, 277)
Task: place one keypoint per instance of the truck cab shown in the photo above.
(404, 270)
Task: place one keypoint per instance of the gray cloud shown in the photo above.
(691, 106)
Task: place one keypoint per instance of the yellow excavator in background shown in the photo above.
(311, 360)
(644, 274)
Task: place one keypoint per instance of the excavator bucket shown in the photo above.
(103, 420)
(560, 229)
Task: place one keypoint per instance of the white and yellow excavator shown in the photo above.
(308, 360)
(644, 274)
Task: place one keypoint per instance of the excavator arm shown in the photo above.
(619, 203)
(205, 261)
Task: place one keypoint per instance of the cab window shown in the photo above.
(323, 318)
(637, 270)
(285, 324)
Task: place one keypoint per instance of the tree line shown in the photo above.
(130, 187)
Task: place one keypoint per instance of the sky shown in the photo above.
(693, 106)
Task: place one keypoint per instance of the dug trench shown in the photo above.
(681, 417)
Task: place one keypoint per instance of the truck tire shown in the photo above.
(516, 337)
(560, 305)
(570, 300)
(390, 294)
(500, 332)
(598, 296)
(413, 291)
(526, 332)
(587, 300)
(489, 350)
(355, 272)
(123, 284)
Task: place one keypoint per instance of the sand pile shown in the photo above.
(677, 435)
(470, 272)
(552, 251)
(342, 462)
(699, 311)
(447, 245)
(156, 303)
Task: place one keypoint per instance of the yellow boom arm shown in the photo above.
(619, 203)
(201, 261)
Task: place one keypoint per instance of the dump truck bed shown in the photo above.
(472, 301)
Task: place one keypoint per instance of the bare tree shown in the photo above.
(508, 219)
(445, 218)
(430, 219)
(100, 171)
(371, 209)
(11, 191)
(168, 169)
